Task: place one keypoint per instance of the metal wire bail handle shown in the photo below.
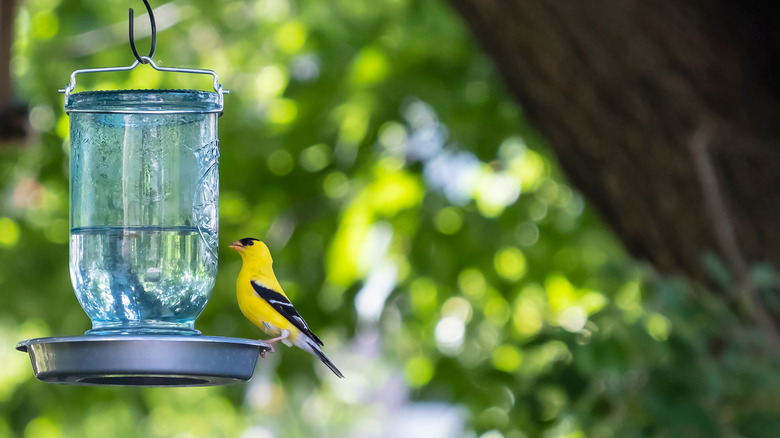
(146, 60)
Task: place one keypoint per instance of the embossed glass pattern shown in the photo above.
(144, 189)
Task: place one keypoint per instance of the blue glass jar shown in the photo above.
(144, 189)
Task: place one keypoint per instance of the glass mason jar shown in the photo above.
(144, 188)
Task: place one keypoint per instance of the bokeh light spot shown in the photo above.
(290, 37)
(354, 121)
(497, 310)
(527, 320)
(494, 416)
(472, 283)
(458, 308)
(42, 118)
(273, 10)
(591, 302)
(280, 162)
(527, 233)
(370, 66)
(449, 334)
(335, 185)
(423, 295)
(306, 68)
(448, 220)
(271, 81)
(394, 191)
(507, 358)
(43, 427)
(510, 263)
(392, 135)
(418, 371)
(44, 25)
(20, 64)
(9, 232)
(282, 111)
(531, 169)
(560, 293)
(63, 129)
(658, 326)
(495, 191)
(315, 158)
(573, 319)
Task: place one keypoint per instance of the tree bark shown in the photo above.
(665, 115)
(6, 39)
(13, 116)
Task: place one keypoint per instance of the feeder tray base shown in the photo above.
(143, 360)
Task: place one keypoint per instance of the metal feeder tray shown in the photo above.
(143, 360)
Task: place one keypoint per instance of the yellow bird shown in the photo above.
(262, 300)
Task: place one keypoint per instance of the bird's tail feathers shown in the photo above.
(311, 346)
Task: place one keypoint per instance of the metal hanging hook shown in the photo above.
(143, 59)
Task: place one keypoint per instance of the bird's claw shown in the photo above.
(264, 352)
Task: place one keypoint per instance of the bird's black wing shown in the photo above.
(281, 304)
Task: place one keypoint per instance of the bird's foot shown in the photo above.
(272, 341)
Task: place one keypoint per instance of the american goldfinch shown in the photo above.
(262, 300)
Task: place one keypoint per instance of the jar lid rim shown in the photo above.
(153, 101)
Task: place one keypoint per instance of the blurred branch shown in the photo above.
(746, 293)
(97, 40)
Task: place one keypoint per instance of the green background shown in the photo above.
(417, 222)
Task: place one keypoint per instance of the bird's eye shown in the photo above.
(251, 243)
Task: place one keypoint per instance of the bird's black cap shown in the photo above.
(248, 241)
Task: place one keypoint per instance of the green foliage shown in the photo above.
(417, 222)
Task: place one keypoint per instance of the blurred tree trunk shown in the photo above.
(666, 115)
(6, 38)
(13, 116)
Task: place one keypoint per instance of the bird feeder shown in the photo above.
(144, 190)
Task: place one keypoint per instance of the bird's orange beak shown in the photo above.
(237, 246)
